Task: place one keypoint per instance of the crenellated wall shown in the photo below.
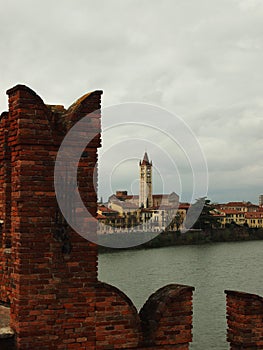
(167, 316)
(48, 272)
(245, 320)
(47, 289)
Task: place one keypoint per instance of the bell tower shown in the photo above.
(145, 197)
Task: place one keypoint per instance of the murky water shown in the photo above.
(209, 268)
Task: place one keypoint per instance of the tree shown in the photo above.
(206, 220)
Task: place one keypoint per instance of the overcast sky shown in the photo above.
(200, 60)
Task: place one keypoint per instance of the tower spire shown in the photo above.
(145, 197)
(145, 159)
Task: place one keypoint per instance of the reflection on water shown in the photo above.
(209, 268)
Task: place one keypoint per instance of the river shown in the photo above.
(210, 268)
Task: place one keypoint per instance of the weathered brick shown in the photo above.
(245, 320)
(56, 300)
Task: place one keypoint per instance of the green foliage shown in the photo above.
(207, 220)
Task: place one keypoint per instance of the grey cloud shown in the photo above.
(199, 59)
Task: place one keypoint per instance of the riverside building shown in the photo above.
(143, 212)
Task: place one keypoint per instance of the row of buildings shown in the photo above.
(240, 213)
(158, 212)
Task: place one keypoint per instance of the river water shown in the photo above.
(210, 268)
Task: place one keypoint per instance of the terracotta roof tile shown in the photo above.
(254, 215)
(231, 211)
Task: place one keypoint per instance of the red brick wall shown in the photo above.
(117, 320)
(164, 322)
(53, 295)
(167, 317)
(245, 320)
(5, 210)
(56, 300)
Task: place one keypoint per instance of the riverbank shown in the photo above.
(231, 234)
